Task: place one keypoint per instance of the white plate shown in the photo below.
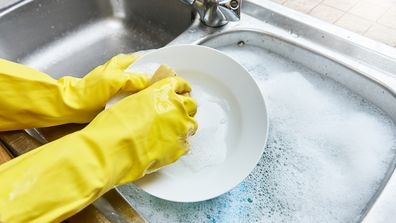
(232, 119)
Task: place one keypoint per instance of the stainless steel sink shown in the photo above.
(71, 37)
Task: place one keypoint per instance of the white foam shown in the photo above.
(217, 126)
(332, 148)
(327, 153)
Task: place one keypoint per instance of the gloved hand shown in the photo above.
(43, 101)
(142, 132)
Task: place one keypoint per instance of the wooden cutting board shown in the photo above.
(4, 154)
(18, 142)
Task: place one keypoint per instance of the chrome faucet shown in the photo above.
(216, 13)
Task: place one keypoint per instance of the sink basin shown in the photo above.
(331, 95)
(331, 145)
(51, 35)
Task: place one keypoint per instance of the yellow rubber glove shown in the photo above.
(144, 131)
(30, 98)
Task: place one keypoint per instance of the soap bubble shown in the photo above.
(327, 153)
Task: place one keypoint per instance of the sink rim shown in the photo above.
(355, 41)
(258, 31)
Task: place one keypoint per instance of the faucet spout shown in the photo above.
(215, 13)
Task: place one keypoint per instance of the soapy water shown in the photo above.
(328, 150)
(208, 147)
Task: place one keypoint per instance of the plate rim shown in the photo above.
(264, 143)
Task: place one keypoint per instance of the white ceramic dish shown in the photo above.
(232, 118)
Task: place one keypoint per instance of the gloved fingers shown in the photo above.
(180, 86)
(189, 104)
(121, 61)
(193, 128)
(134, 82)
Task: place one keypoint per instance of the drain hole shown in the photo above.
(241, 43)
